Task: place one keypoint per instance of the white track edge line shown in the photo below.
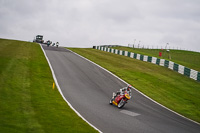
(56, 82)
(137, 90)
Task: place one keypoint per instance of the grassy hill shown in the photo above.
(27, 101)
(165, 86)
(186, 58)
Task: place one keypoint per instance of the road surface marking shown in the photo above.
(129, 113)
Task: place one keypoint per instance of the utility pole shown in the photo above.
(134, 43)
(168, 51)
(139, 44)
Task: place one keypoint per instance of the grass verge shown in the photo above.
(165, 86)
(186, 58)
(27, 101)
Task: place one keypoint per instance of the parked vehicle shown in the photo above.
(38, 39)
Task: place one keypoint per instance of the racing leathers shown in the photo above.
(122, 91)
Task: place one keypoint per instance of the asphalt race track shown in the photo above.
(89, 88)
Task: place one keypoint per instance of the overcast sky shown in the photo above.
(84, 23)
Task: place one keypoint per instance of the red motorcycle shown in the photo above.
(120, 100)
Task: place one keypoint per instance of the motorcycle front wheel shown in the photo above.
(121, 104)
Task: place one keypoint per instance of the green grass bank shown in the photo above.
(186, 58)
(165, 86)
(28, 104)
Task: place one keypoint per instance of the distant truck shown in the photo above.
(38, 39)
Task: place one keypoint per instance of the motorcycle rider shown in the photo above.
(122, 91)
(48, 43)
(57, 44)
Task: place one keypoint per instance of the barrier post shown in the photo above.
(53, 86)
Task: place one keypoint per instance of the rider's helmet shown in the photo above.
(129, 87)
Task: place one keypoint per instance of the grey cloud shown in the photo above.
(83, 23)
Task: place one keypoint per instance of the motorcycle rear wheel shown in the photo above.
(111, 102)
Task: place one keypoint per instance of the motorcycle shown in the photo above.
(120, 100)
